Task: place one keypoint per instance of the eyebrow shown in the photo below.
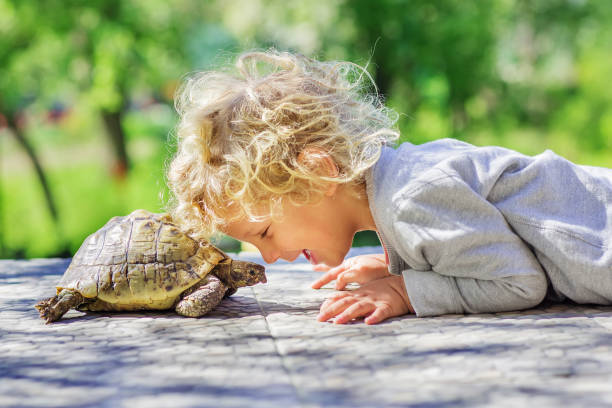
(250, 233)
(253, 232)
(261, 229)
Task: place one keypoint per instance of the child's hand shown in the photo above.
(359, 269)
(378, 300)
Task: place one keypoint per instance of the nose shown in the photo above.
(269, 255)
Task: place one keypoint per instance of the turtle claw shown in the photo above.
(45, 309)
(55, 307)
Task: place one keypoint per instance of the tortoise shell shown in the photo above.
(139, 261)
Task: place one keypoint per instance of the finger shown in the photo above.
(328, 277)
(344, 279)
(354, 311)
(334, 308)
(335, 269)
(381, 313)
(322, 281)
(334, 298)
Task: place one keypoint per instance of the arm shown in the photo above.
(476, 262)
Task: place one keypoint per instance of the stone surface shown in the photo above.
(264, 348)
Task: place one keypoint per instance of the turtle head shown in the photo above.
(244, 273)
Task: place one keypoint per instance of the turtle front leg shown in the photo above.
(230, 292)
(203, 299)
(55, 307)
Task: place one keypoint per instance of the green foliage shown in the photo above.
(86, 194)
(522, 74)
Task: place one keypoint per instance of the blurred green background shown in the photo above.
(86, 88)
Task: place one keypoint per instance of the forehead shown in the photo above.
(242, 228)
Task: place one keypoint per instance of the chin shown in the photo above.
(340, 259)
(334, 263)
(336, 256)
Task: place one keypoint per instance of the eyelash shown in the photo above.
(263, 234)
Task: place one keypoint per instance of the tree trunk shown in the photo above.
(42, 178)
(112, 123)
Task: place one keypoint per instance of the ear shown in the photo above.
(321, 163)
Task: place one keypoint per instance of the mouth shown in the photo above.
(310, 256)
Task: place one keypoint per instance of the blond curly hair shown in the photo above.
(240, 133)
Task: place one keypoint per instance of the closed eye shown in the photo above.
(263, 234)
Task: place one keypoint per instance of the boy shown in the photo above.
(296, 160)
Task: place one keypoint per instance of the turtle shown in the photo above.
(144, 261)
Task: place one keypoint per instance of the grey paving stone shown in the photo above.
(264, 348)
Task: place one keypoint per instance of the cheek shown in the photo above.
(309, 229)
(331, 229)
(296, 238)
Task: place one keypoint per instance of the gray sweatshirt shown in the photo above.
(486, 229)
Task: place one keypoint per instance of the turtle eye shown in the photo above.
(251, 272)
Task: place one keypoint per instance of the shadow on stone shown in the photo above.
(230, 308)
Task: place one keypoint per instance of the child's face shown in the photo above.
(323, 232)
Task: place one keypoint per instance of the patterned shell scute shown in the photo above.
(142, 258)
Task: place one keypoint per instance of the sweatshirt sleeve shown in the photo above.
(465, 258)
